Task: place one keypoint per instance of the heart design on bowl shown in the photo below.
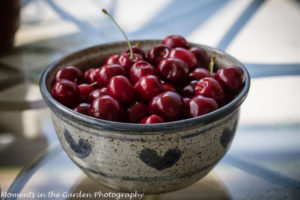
(82, 149)
(152, 159)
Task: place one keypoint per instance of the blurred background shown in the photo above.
(264, 160)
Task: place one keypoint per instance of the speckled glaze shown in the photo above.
(137, 157)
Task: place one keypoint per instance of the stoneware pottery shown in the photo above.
(152, 158)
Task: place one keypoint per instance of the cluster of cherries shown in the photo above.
(169, 82)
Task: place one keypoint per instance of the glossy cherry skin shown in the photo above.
(152, 119)
(231, 77)
(139, 69)
(200, 105)
(209, 87)
(65, 92)
(107, 108)
(83, 108)
(70, 73)
(113, 59)
(199, 73)
(106, 72)
(136, 112)
(175, 41)
(120, 88)
(89, 75)
(136, 50)
(168, 104)
(186, 110)
(96, 94)
(173, 70)
(169, 87)
(158, 53)
(201, 56)
(84, 91)
(126, 62)
(148, 86)
(184, 55)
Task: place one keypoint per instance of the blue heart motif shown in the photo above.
(227, 135)
(150, 158)
(82, 149)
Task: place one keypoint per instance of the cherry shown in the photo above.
(188, 91)
(65, 92)
(96, 94)
(209, 87)
(136, 50)
(113, 59)
(139, 69)
(231, 77)
(84, 91)
(107, 108)
(175, 41)
(201, 56)
(168, 104)
(200, 105)
(148, 86)
(158, 53)
(106, 72)
(184, 55)
(120, 88)
(127, 62)
(173, 70)
(186, 110)
(152, 119)
(70, 73)
(136, 112)
(89, 75)
(199, 73)
(83, 108)
(169, 87)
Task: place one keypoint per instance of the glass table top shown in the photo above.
(264, 159)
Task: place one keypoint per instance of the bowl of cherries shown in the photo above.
(153, 117)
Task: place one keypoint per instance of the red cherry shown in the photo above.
(209, 87)
(152, 119)
(120, 88)
(173, 70)
(231, 78)
(89, 75)
(188, 91)
(84, 91)
(136, 50)
(200, 105)
(126, 62)
(70, 73)
(107, 108)
(136, 112)
(65, 92)
(148, 86)
(113, 59)
(201, 56)
(158, 53)
(168, 104)
(139, 69)
(175, 41)
(184, 55)
(169, 87)
(83, 108)
(199, 73)
(96, 94)
(106, 72)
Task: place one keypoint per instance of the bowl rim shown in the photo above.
(134, 128)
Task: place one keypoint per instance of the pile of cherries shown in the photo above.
(169, 82)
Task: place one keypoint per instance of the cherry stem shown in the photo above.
(211, 64)
(126, 38)
(93, 84)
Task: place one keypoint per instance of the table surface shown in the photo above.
(264, 159)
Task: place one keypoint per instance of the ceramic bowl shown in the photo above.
(145, 158)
